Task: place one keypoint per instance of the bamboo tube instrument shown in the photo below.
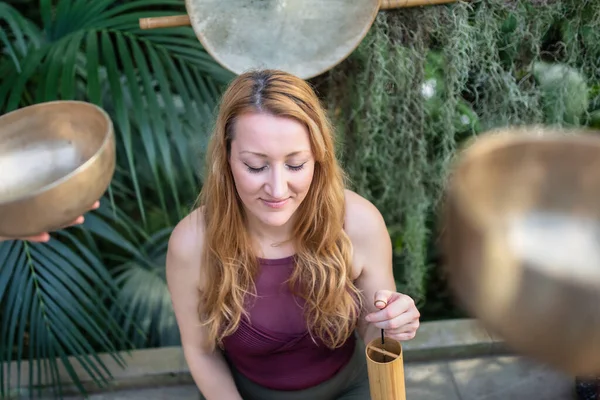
(385, 367)
(302, 37)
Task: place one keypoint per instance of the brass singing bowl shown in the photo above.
(521, 242)
(56, 159)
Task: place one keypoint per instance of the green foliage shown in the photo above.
(50, 310)
(565, 95)
(426, 79)
(101, 288)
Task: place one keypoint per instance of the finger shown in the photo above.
(381, 304)
(395, 323)
(403, 336)
(407, 332)
(382, 298)
(406, 328)
(41, 238)
(77, 221)
(393, 308)
(96, 205)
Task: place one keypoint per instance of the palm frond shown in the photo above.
(19, 35)
(160, 87)
(54, 299)
(150, 319)
(143, 304)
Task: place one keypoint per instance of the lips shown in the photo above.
(275, 203)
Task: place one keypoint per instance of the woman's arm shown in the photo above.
(397, 315)
(209, 369)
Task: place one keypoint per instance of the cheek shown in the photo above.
(303, 181)
(245, 182)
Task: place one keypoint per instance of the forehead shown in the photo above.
(269, 134)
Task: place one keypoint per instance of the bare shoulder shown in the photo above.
(183, 272)
(363, 221)
(371, 244)
(185, 247)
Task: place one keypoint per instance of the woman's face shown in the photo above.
(272, 165)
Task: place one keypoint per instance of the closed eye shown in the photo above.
(296, 167)
(254, 170)
(257, 170)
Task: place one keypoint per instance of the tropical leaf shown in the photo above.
(54, 300)
(19, 34)
(149, 317)
(143, 305)
(160, 87)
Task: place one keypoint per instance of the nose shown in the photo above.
(277, 186)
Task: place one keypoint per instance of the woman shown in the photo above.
(45, 236)
(279, 265)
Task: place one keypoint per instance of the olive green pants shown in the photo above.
(350, 383)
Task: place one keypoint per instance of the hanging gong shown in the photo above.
(302, 37)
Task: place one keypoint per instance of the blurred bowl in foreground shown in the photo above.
(56, 159)
(521, 242)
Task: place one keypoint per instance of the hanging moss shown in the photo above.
(425, 79)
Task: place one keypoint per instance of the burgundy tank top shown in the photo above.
(274, 348)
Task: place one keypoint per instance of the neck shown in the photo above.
(267, 235)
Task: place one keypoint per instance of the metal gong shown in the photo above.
(302, 37)
(521, 242)
(281, 34)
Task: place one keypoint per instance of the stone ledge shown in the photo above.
(436, 340)
(452, 339)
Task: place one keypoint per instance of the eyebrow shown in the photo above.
(294, 153)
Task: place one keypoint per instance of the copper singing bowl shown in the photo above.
(521, 242)
(56, 160)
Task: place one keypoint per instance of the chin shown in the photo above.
(276, 219)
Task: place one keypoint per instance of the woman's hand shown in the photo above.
(397, 315)
(45, 236)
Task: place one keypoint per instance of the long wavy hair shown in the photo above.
(322, 275)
